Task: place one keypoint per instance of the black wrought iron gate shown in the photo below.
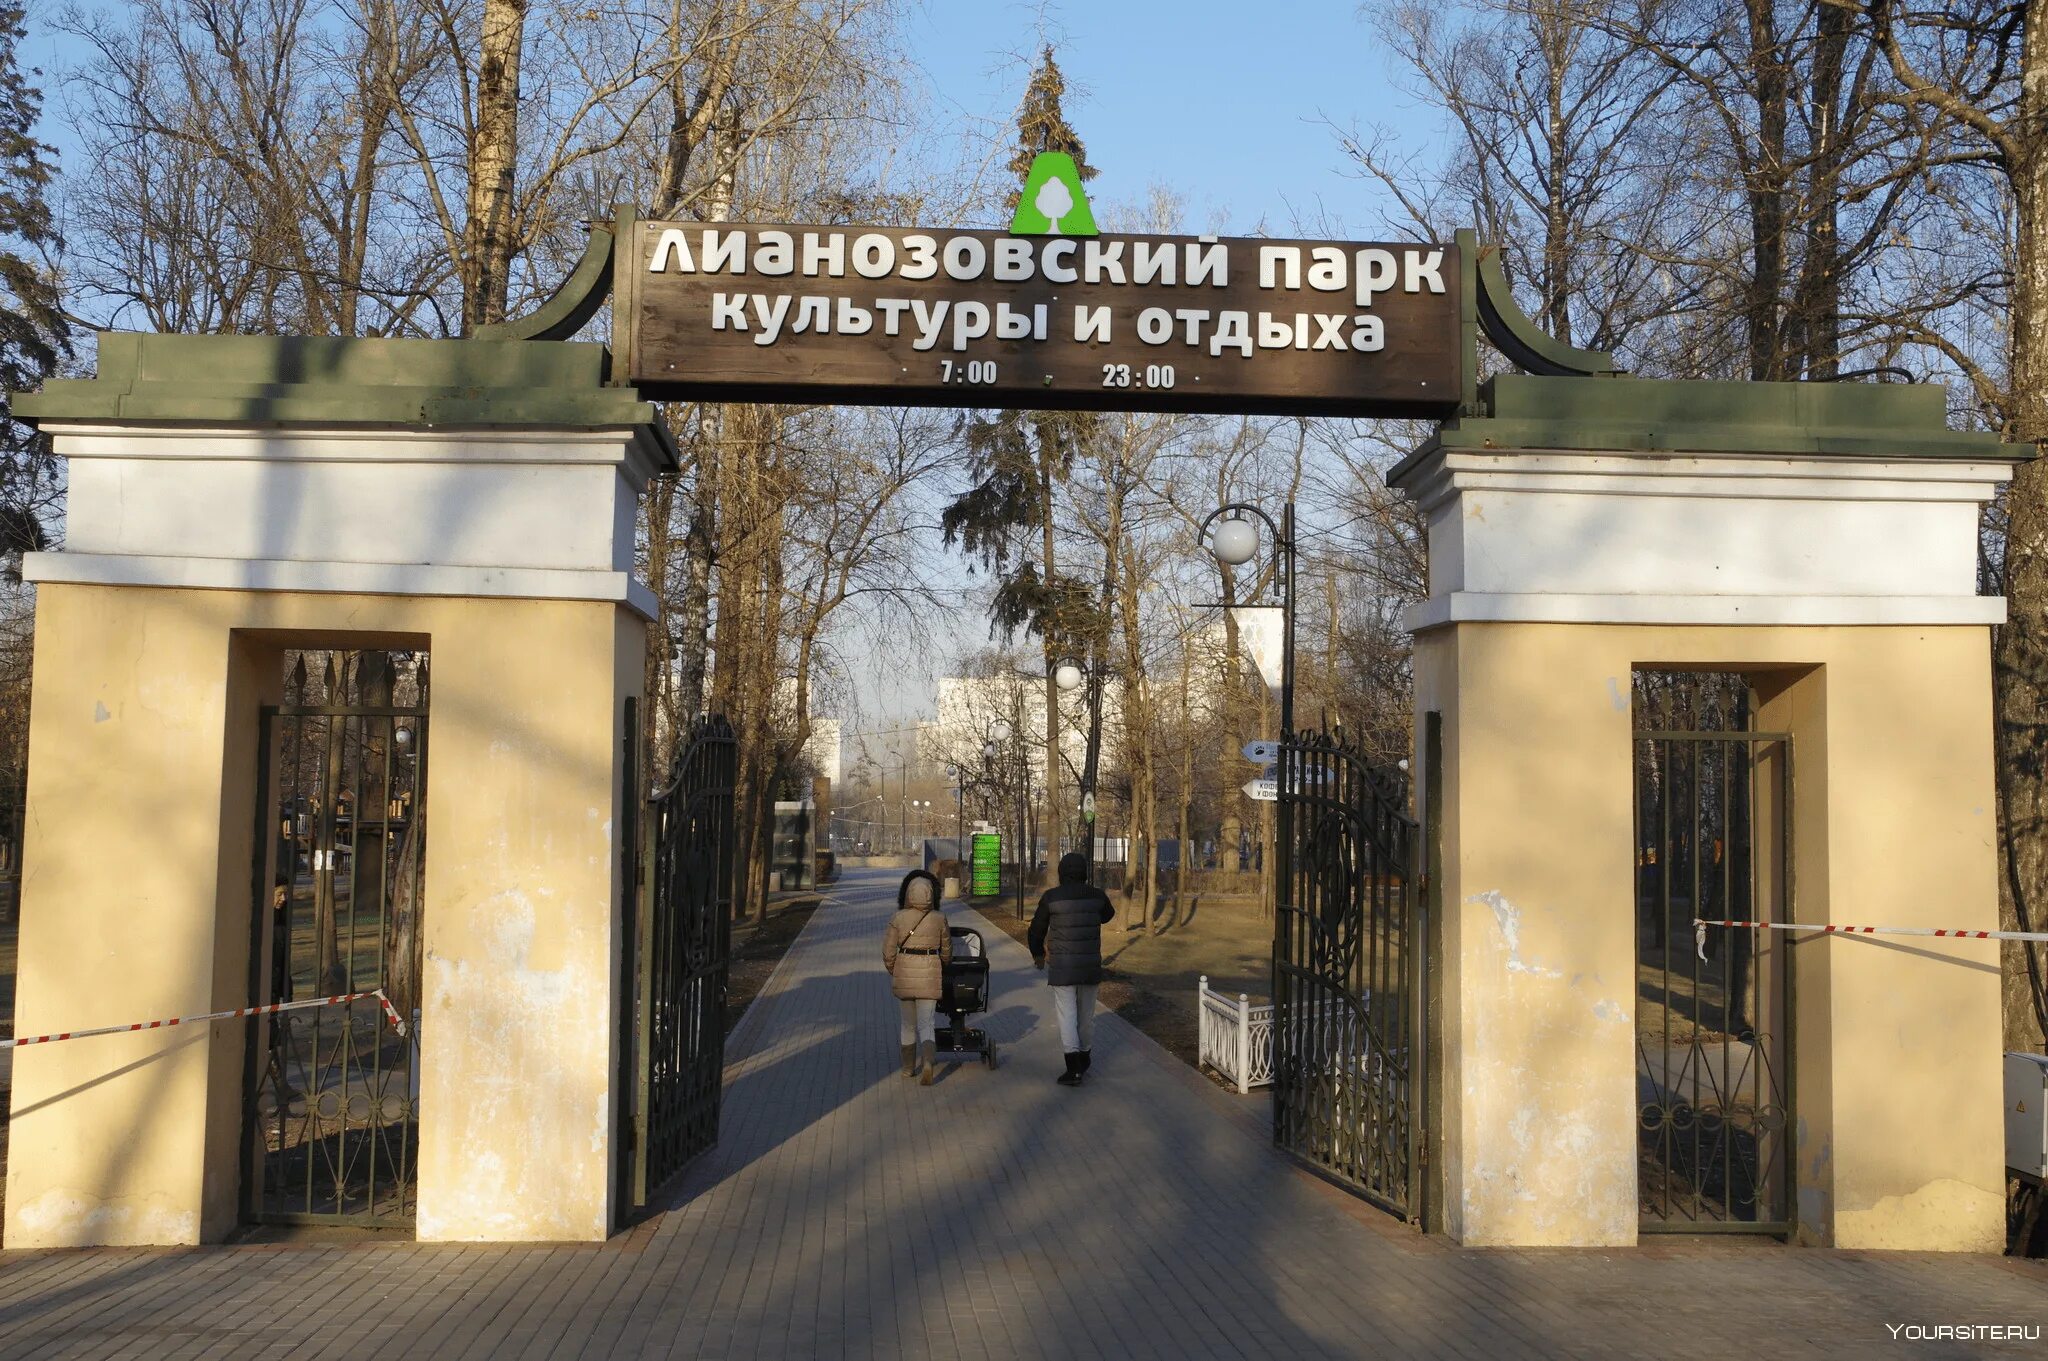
(332, 1127)
(1713, 1006)
(680, 947)
(1348, 973)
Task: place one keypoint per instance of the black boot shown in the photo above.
(1086, 1059)
(1072, 1077)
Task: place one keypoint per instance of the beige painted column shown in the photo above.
(523, 896)
(135, 835)
(232, 497)
(1538, 967)
(138, 886)
(1845, 589)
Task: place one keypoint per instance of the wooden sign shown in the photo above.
(901, 317)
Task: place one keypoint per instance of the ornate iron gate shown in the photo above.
(1713, 1009)
(681, 949)
(333, 1093)
(1348, 976)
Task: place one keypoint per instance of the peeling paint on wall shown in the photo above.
(1508, 918)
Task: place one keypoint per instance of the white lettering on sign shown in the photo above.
(1288, 323)
(1153, 263)
(674, 245)
(874, 256)
(1102, 262)
(776, 253)
(924, 257)
(776, 315)
(725, 251)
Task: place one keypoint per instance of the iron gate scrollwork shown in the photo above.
(1348, 975)
(332, 1110)
(681, 954)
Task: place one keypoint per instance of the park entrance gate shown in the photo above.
(332, 1111)
(1713, 1004)
(679, 932)
(1348, 979)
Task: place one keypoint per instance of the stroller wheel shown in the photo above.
(988, 1056)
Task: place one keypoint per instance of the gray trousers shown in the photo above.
(1075, 1007)
(916, 1024)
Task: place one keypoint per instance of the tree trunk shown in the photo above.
(491, 229)
(1818, 306)
(1051, 816)
(1766, 192)
(2020, 664)
(1187, 781)
(1138, 726)
(659, 732)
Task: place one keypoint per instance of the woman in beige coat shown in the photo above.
(915, 948)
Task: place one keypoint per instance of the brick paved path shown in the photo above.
(848, 1212)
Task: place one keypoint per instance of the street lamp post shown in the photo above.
(994, 806)
(959, 779)
(1235, 543)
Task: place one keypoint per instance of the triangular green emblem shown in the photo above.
(1054, 204)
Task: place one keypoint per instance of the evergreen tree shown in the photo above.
(1018, 460)
(35, 336)
(1042, 126)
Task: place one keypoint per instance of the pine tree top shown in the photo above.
(1043, 126)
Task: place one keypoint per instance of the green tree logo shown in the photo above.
(1053, 202)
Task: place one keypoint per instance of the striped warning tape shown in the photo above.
(1700, 926)
(268, 1009)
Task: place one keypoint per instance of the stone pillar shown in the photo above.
(230, 498)
(1828, 550)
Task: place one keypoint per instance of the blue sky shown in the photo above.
(1224, 101)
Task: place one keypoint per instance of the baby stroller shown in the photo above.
(964, 993)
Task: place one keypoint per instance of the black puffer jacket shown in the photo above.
(1066, 931)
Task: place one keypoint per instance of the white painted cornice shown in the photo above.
(1635, 538)
(337, 578)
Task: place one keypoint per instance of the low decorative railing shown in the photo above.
(1236, 1038)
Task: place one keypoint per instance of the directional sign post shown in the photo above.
(1263, 790)
(1262, 751)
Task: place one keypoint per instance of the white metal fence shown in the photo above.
(1236, 1038)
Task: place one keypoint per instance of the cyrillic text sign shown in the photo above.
(970, 318)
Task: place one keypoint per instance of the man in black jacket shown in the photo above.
(1066, 941)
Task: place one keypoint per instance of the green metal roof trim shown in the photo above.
(292, 380)
(1649, 415)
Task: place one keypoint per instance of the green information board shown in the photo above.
(987, 878)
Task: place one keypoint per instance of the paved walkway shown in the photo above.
(849, 1213)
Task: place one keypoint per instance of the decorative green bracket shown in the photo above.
(573, 304)
(1517, 337)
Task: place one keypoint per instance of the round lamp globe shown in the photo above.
(1234, 542)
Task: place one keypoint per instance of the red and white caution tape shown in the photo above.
(269, 1009)
(1699, 927)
